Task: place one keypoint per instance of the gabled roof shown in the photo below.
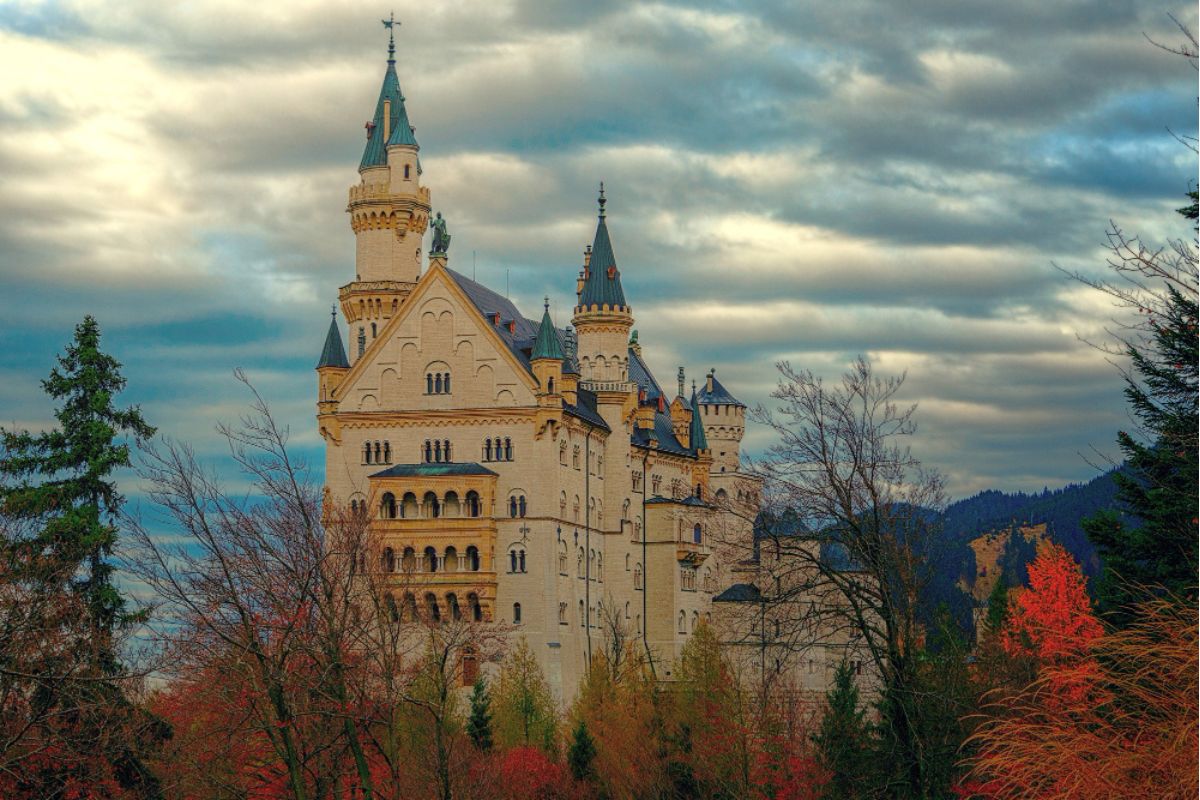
(432, 470)
(719, 396)
(739, 593)
(603, 284)
(375, 153)
(547, 344)
(334, 354)
(489, 303)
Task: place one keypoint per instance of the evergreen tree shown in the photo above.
(59, 503)
(843, 740)
(1159, 483)
(997, 606)
(581, 753)
(479, 724)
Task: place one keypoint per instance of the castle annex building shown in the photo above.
(516, 471)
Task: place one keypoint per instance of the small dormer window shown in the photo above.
(407, 170)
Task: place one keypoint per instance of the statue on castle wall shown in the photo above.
(441, 239)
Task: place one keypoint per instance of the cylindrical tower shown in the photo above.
(602, 318)
(724, 420)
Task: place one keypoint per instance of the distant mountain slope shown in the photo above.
(1061, 510)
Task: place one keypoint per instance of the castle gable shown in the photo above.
(438, 352)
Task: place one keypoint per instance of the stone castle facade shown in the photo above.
(519, 472)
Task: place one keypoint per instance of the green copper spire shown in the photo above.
(391, 99)
(546, 345)
(334, 355)
(696, 438)
(603, 284)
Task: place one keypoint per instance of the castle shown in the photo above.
(516, 471)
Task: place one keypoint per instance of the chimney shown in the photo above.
(708, 383)
(680, 377)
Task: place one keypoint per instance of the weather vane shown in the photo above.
(390, 23)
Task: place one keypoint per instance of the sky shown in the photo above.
(799, 181)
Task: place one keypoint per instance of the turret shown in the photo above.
(331, 367)
(723, 419)
(389, 212)
(546, 358)
(602, 317)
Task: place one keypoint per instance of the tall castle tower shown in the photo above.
(389, 212)
(602, 318)
(724, 419)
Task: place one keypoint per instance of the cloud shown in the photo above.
(786, 181)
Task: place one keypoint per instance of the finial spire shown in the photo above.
(681, 379)
(546, 302)
(390, 23)
(333, 310)
(602, 200)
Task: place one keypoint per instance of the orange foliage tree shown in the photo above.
(1053, 619)
(1133, 733)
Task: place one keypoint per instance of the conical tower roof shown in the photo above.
(547, 345)
(696, 438)
(399, 129)
(603, 284)
(333, 355)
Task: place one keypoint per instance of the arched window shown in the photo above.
(696, 533)
(431, 560)
(521, 506)
(473, 558)
(579, 563)
(407, 167)
(388, 561)
(476, 609)
(512, 506)
(562, 613)
(516, 613)
(487, 450)
(452, 607)
(428, 383)
(507, 449)
(437, 383)
(599, 566)
(410, 607)
(512, 560)
(378, 453)
(683, 622)
(427, 457)
(408, 562)
(393, 610)
(437, 451)
(373, 332)
(387, 452)
(550, 386)
(362, 341)
(432, 508)
(366, 452)
(695, 620)
(431, 606)
(562, 558)
(472, 504)
(562, 452)
(521, 560)
(450, 560)
(387, 506)
(637, 576)
(446, 383)
(446, 449)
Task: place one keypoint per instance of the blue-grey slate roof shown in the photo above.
(719, 396)
(375, 153)
(432, 470)
(664, 432)
(739, 593)
(600, 288)
(585, 409)
(689, 500)
(333, 354)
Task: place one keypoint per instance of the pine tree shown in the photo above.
(997, 606)
(843, 739)
(1159, 486)
(59, 503)
(479, 724)
(581, 752)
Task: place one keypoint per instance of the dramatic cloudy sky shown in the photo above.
(787, 180)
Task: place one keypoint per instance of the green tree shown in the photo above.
(581, 753)
(844, 739)
(1158, 548)
(525, 711)
(997, 606)
(479, 724)
(59, 503)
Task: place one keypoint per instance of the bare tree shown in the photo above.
(853, 559)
